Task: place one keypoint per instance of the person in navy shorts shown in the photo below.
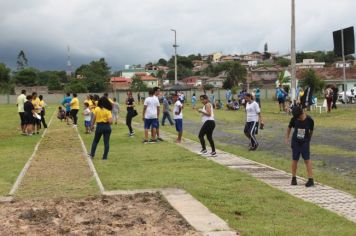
(303, 126)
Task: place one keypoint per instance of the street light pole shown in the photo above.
(293, 56)
(175, 57)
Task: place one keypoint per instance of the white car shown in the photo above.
(350, 95)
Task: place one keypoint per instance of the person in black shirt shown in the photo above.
(303, 131)
(335, 95)
(131, 112)
(29, 112)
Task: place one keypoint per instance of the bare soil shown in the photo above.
(140, 214)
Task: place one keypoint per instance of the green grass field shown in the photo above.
(15, 149)
(247, 204)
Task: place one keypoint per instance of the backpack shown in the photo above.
(280, 93)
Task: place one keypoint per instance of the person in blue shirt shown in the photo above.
(212, 98)
(66, 103)
(228, 95)
(194, 101)
(258, 97)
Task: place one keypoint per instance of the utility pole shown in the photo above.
(343, 64)
(175, 57)
(69, 65)
(292, 55)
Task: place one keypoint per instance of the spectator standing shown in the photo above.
(66, 103)
(21, 99)
(212, 98)
(178, 117)
(150, 116)
(36, 103)
(115, 111)
(303, 131)
(157, 93)
(131, 112)
(258, 97)
(29, 112)
(87, 118)
(335, 95)
(328, 97)
(43, 111)
(74, 108)
(103, 120)
(166, 112)
(194, 101)
(228, 95)
(281, 96)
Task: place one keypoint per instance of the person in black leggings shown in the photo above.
(208, 126)
(130, 106)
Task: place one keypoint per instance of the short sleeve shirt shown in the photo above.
(21, 99)
(178, 106)
(102, 115)
(28, 107)
(252, 111)
(302, 129)
(151, 111)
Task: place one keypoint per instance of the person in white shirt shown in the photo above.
(21, 99)
(178, 117)
(207, 114)
(87, 118)
(253, 119)
(157, 93)
(150, 116)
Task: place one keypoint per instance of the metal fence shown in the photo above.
(121, 96)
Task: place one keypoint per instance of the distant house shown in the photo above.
(150, 81)
(264, 75)
(120, 83)
(217, 82)
(216, 57)
(192, 81)
(310, 64)
(129, 73)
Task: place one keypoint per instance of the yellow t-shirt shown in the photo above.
(74, 104)
(102, 115)
(42, 104)
(110, 100)
(91, 104)
(36, 103)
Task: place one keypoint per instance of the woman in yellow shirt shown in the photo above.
(74, 108)
(103, 120)
(43, 111)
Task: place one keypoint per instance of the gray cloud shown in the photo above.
(136, 31)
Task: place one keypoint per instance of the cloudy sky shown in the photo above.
(138, 31)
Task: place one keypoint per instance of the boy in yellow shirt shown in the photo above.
(74, 108)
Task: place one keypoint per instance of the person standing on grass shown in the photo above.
(253, 118)
(329, 97)
(194, 101)
(157, 92)
(335, 95)
(303, 131)
(212, 98)
(66, 103)
(36, 103)
(29, 112)
(74, 108)
(21, 99)
(207, 113)
(258, 97)
(150, 116)
(281, 96)
(228, 95)
(131, 112)
(178, 117)
(87, 118)
(103, 120)
(43, 111)
(166, 112)
(115, 111)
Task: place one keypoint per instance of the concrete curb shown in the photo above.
(91, 164)
(194, 212)
(28, 163)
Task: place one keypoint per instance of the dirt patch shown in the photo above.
(140, 214)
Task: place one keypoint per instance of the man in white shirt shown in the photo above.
(178, 117)
(150, 116)
(21, 99)
(157, 92)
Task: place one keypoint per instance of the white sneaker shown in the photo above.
(203, 152)
(213, 154)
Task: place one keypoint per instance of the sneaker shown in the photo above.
(213, 154)
(90, 156)
(294, 181)
(152, 141)
(159, 139)
(254, 147)
(74, 126)
(145, 141)
(131, 134)
(203, 152)
(309, 183)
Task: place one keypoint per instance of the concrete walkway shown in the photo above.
(324, 196)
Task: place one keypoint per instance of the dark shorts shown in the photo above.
(281, 100)
(151, 122)
(301, 149)
(179, 125)
(251, 127)
(67, 113)
(87, 123)
(22, 118)
(29, 119)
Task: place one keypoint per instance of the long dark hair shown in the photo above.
(105, 103)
